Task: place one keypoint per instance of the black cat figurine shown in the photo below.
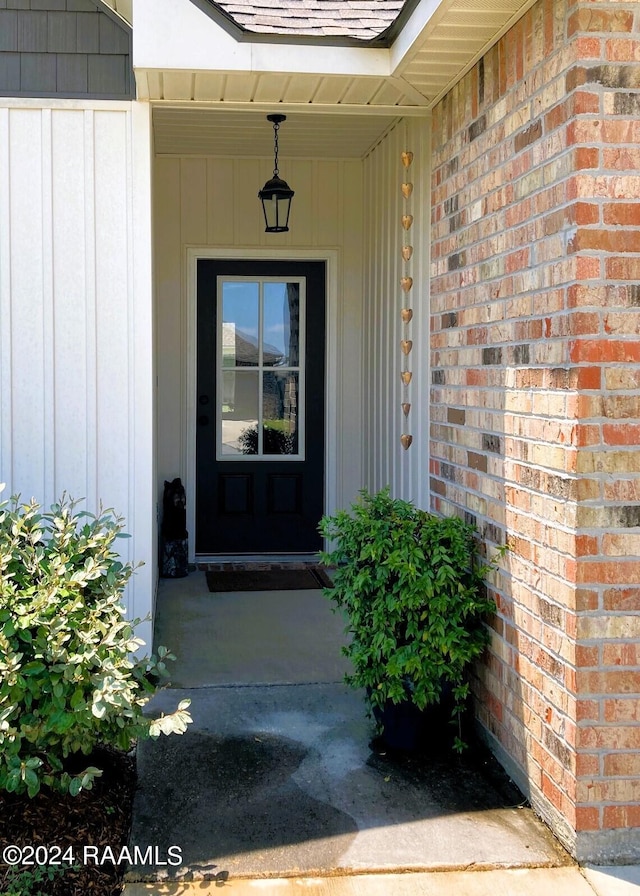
(174, 563)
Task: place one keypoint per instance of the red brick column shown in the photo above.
(536, 398)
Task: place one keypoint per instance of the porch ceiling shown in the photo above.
(220, 132)
(286, 89)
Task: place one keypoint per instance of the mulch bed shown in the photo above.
(99, 818)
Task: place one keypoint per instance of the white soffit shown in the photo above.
(344, 92)
(183, 55)
(217, 131)
(122, 7)
(444, 38)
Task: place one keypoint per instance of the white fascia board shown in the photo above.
(320, 60)
(176, 35)
(426, 14)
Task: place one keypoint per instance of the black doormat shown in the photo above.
(308, 578)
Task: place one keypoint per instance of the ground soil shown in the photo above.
(99, 818)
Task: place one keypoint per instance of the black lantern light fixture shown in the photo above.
(276, 195)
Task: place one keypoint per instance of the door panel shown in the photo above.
(260, 432)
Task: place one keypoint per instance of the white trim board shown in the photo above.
(331, 257)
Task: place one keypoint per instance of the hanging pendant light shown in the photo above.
(276, 195)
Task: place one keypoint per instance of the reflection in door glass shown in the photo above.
(239, 412)
(260, 369)
(240, 322)
(281, 325)
(280, 412)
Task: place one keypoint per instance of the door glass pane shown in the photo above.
(260, 369)
(280, 412)
(240, 322)
(239, 412)
(281, 325)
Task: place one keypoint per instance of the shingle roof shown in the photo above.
(360, 19)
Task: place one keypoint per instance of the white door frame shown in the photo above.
(331, 257)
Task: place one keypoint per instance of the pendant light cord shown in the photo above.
(276, 126)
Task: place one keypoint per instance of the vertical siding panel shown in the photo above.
(112, 307)
(6, 403)
(382, 318)
(193, 208)
(169, 289)
(368, 330)
(338, 230)
(375, 320)
(48, 311)
(193, 230)
(327, 214)
(248, 227)
(402, 458)
(68, 387)
(371, 332)
(370, 383)
(90, 329)
(142, 523)
(220, 202)
(69, 278)
(351, 312)
(299, 176)
(27, 289)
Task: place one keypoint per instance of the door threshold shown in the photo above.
(205, 559)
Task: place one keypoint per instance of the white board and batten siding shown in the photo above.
(210, 204)
(76, 346)
(386, 462)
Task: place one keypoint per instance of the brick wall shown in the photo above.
(536, 398)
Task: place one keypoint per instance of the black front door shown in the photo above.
(260, 426)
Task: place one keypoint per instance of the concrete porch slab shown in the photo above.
(258, 637)
(276, 786)
(281, 781)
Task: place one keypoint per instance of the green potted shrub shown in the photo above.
(412, 587)
(69, 682)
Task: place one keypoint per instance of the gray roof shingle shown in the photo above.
(360, 19)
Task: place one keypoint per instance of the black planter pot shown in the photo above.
(407, 729)
(403, 725)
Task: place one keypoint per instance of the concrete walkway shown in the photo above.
(509, 882)
(275, 788)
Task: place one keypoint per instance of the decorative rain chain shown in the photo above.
(406, 282)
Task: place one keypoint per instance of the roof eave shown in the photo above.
(429, 48)
(245, 35)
